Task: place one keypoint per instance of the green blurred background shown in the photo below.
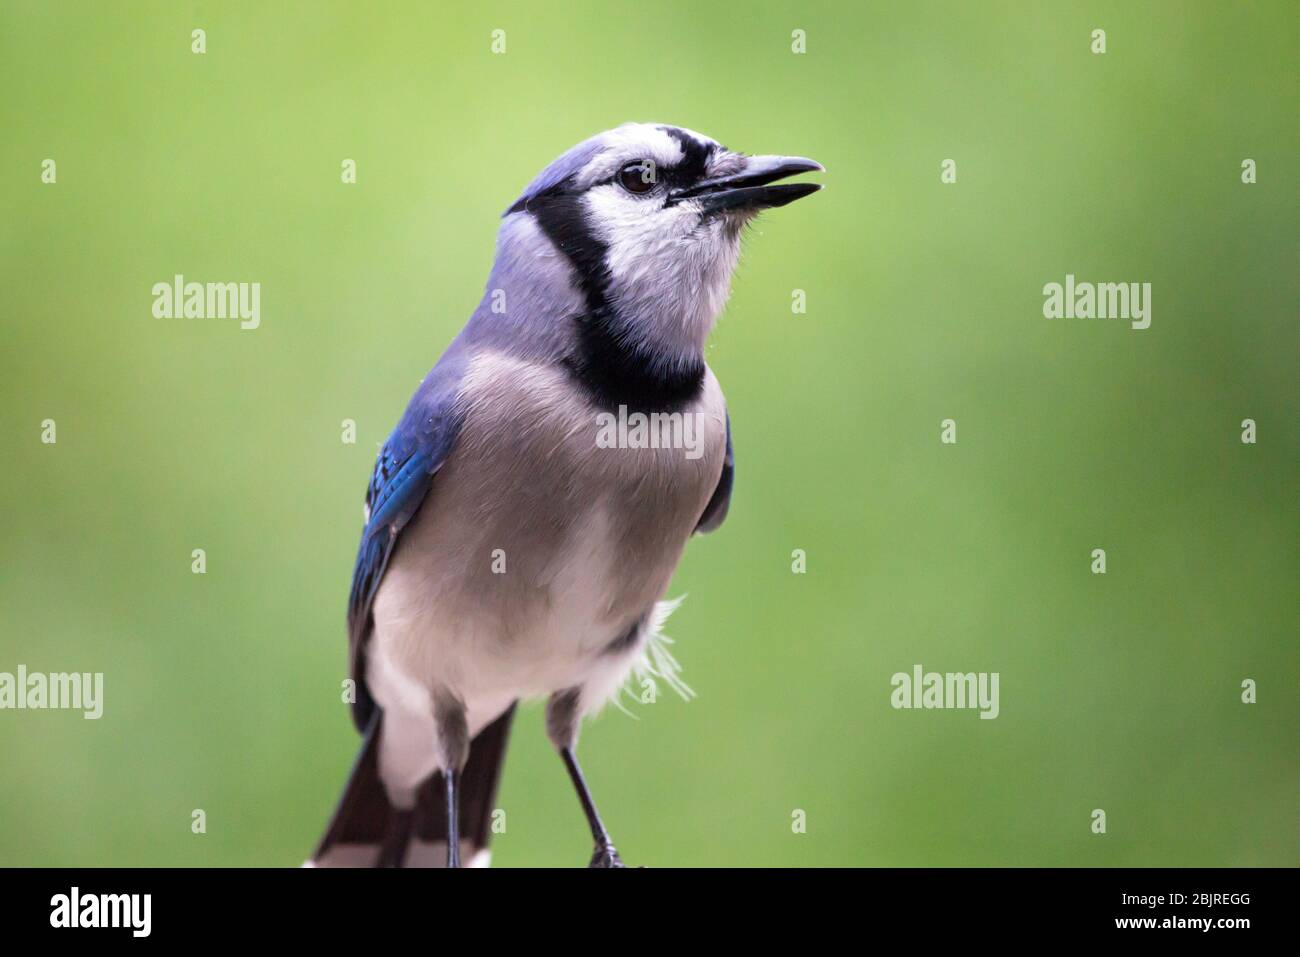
(1119, 692)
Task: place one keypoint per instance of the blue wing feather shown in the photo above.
(402, 477)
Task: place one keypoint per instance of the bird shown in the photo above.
(507, 553)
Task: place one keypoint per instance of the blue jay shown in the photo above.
(507, 554)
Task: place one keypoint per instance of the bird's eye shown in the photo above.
(638, 177)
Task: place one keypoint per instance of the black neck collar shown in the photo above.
(617, 373)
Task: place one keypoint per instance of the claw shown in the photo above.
(606, 856)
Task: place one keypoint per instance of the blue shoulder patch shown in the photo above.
(403, 474)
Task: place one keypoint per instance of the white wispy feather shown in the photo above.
(656, 660)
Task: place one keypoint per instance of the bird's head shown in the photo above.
(646, 221)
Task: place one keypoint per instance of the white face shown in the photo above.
(669, 262)
(641, 225)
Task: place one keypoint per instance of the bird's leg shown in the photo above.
(453, 821)
(562, 728)
(453, 752)
(606, 855)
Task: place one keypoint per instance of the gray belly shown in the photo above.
(537, 548)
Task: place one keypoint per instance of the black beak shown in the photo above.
(750, 189)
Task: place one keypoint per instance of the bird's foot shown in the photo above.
(606, 856)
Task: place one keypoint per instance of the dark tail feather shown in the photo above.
(361, 821)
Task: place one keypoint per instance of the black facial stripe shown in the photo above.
(672, 175)
(614, 370)
(560, 216)
(530, 202)
(696, 154)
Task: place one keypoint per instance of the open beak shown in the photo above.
(752, 187)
